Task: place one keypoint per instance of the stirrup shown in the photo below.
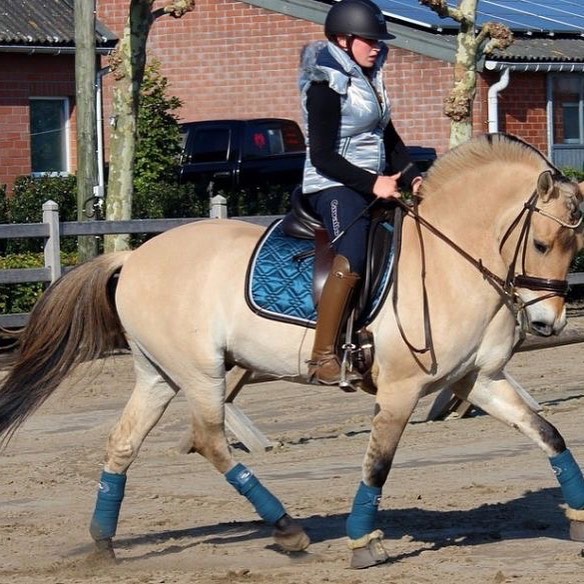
(344, 379)
(348, 374)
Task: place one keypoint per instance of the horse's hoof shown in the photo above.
(289, 535)
(368, 551)
(577, 530)
(576, 518)
(103, 552)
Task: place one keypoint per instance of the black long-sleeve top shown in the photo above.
(324, 119)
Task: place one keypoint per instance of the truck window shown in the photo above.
(272, 138)
(293, 138)
(209, 145)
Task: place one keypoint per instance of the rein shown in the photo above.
(506, 288)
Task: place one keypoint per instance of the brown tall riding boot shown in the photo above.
(325, 366)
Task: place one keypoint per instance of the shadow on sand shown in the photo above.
(535, 514)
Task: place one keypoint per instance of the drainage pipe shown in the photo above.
(493, 100)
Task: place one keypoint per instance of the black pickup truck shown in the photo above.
(256, 152)
(243, 153)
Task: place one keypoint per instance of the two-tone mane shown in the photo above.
(493, 149)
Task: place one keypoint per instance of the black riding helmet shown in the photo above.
(362, 18)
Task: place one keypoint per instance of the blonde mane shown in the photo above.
(505, 148)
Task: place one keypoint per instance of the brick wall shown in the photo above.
(24, 76)
(230, 59)
(523, 104)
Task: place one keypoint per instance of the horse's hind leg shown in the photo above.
(499, 398)
(151, 395)
(205, 395)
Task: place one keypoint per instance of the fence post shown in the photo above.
(218, 209)
(53, 242)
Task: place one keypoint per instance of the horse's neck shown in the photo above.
(479, 202)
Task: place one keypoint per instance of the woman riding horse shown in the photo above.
(487, 253)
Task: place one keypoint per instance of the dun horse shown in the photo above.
(485, 256)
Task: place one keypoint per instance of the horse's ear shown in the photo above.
(545, 185)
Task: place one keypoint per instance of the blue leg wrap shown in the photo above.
(245, 482)
(107, 508)
(570, 478)
(361, 521)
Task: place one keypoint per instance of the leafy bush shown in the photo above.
(25, 206)
(16, 298)
(159, 140)
(170, 200)
(577, 175)
(275, 201)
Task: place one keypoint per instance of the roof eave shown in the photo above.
(49, 50)
(535, 66)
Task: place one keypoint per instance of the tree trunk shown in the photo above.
(85, 69)
(128, 64)
(459, 104)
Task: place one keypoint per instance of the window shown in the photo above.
(49, 119)
(568, 109)
(269, 138)
(209, 145)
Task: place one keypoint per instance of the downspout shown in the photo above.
(493, 101)
(99, 189)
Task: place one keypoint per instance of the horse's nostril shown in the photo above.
(543, 329)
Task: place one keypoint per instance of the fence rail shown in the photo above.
(51, 230)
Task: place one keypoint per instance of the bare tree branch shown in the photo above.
(500, 37)
(176, 9)
(443, 10)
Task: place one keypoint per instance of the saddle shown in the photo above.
(303, 223)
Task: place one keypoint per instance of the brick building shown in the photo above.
(232, 58)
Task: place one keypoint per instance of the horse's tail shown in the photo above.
(75, 320)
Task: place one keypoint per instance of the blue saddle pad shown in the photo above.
(279, 279)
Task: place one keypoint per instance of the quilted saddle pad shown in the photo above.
(279, 279)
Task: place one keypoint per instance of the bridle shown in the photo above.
(506, 287)
(514, 280)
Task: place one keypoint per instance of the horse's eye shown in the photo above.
(541, 247)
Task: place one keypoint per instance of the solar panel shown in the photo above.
(548, 16)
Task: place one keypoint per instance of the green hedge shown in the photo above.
(162, 200)
(16, 298)
(25, 206)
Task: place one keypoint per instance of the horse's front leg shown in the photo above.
(393, 409)
(499, 398)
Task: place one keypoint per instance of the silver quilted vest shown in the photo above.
(363, 117)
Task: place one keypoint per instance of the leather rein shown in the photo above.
(507, 287)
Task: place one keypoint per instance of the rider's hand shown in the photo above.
(385, 187)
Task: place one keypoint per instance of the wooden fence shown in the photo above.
(51, 230)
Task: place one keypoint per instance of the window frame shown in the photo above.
(65, 141)
(553, 105)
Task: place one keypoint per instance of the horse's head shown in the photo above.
(549, 233)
